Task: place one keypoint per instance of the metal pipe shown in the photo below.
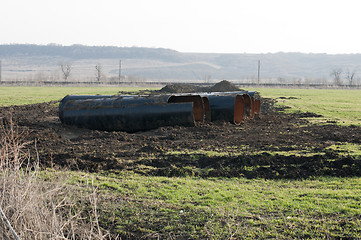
(131, 114)
(198, 105)
(140, 113)
(227, 108)
(242, 107)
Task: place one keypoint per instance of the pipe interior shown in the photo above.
(247, 104)
(238, 110)
(198, 107)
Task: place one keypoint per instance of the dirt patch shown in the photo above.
(262, 147)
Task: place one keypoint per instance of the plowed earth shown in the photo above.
(272, 145)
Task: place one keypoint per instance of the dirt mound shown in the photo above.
(224, 86)
(180, 88)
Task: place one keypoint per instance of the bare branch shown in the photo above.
(336, 74)
(98, 72)
(350, 75)
(66, 70)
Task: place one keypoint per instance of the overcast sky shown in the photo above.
(222, 26)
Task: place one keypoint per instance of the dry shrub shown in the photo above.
(36, 206)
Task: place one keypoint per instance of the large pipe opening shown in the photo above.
(198, 107)
(238, 110)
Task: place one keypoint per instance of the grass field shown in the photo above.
(342, 106)
(29, 95)
(135, 206)
(219, 208)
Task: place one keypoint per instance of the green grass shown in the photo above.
(217, 208)
(29, 95)
(342, 106)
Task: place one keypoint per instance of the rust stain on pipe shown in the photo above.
(207, 109)
(257, 106)
(238, 109)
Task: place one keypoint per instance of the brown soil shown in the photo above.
(180, 88)
(248, 150)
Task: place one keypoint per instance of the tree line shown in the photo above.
(78, 51)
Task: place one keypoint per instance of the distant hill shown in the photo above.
(167, 64)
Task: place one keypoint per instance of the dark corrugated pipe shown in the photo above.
(130, 114)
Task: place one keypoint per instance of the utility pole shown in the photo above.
(259, 70)
(120, 69)
(0, 70)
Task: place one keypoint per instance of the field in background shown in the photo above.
(151, 207)
(30, 95)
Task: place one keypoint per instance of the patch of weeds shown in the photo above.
(174, 171)
(297, 153)
(346, 149)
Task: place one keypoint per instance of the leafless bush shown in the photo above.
(336, 74)
(98, 72)
(39, 204)
(66, 70)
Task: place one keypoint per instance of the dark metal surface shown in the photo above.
(126, 114)
(228, 108)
